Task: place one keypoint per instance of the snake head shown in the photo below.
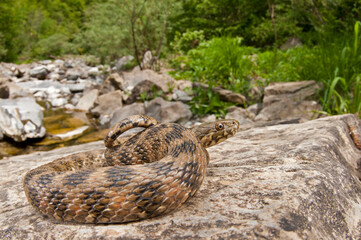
(210, 134)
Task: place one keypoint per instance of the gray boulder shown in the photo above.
(74, 74)
(87, 101)
(242, 115)
(131, 79)
(21, 118)
(289, 100)
(4, 91)
(113, 82)
(289, 181)
(145, 89)
(39, 72)
(165, 111)
(255, 108)
(107, 103)
(122, 62)
(126, 111)
(182, 96)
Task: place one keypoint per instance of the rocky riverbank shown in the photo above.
(65, 102)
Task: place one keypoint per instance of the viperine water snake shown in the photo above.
(147, 175)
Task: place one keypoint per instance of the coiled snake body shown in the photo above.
(149, 174)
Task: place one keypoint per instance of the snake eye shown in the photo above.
(219, 126)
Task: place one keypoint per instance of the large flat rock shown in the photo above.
(288, 181)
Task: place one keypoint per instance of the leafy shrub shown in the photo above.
(220, 62)
(207, 102)
(287, 67)
(183, 42)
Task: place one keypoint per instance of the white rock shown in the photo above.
(39, 72)
(45, 62)
(58, 102)
(54, 76)
(58, 62)
(21, 118)
(71, 134)
(69, 106)
(51, 67)
(87, 101)
(94, 71)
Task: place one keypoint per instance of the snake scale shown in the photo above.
(149, 174)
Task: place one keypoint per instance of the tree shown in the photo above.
(119, 27)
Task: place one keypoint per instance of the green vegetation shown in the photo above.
(234, 44)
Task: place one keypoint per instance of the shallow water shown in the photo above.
(57, 122)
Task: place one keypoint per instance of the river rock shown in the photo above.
(164, 111)
(182, 96)
(122, 62)
(112, 83)
(46, 88)
(289, 100)
(184, 85)
(242, 115)
(76, 87)
(45, 62)
(293, 181)
(17, 72)
(86, 102)
(71, 134)
(148, 60)
(21, 118)
(255, 108)
(131, 79)
(126, 111)
(58, 102)
(4, 91)
(74, 74)
(39, 72)
(298, 91)
(94, 71)
(144, 90)
(107, 103)
(208, 118)
(54, 76)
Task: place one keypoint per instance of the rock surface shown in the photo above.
(166, 112)
(87, 101)
(131, 79)
(107, 103)
(289, 181)
(123, 112)
(242, 115)
(288, 100)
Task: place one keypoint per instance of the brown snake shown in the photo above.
(149, 174)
